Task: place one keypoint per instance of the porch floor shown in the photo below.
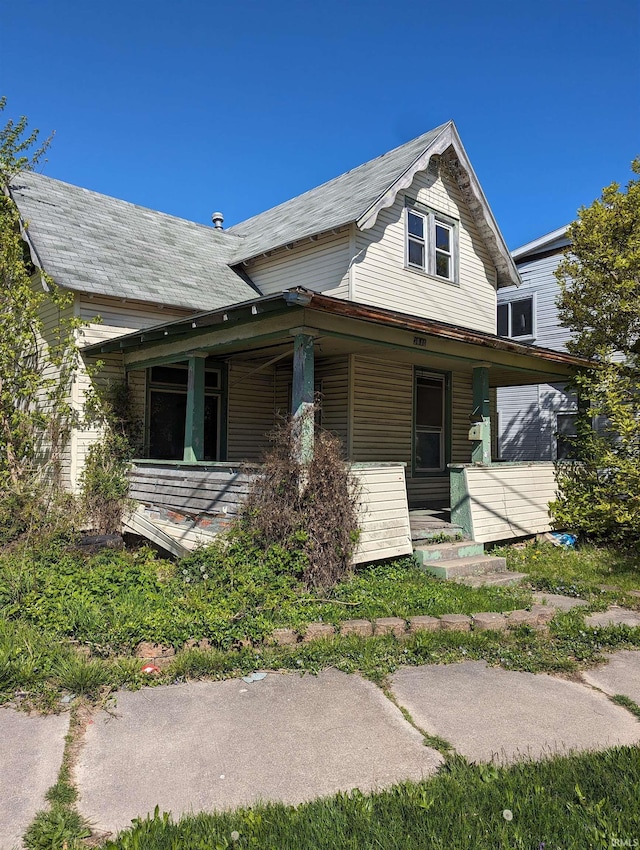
(430, 522)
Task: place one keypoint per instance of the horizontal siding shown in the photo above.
(251, 415)
(538, 279)
(528, 420)
(380, 278)
(510, 501)
(382, 427)
(322, 266)
(189, 491)
(117, 318)
(383, 514)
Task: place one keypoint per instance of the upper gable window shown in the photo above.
(432, 241)
(517, 319)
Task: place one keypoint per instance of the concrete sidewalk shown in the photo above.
(287, 737)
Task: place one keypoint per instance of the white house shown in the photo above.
(377, 289)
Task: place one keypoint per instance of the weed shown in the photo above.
(81, 675)
(626, 702)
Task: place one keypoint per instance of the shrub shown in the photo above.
(309, 508)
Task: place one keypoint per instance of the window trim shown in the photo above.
(534, 318)
(431, 218)
(556, 433)
(445, 438)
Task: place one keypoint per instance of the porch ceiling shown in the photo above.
(263, 328)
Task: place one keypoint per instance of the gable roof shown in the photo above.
(333, 204)
(96, 244)
(360, 194)
(550, 242)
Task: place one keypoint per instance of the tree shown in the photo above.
(600, 303)
(37, 360)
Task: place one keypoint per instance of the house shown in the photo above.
(533, 420)
(376, 290)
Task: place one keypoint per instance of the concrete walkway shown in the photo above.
(212, 745)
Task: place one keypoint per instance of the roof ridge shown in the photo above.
(327, 183)
(40, 176)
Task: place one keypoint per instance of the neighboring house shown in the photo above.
(534, 419)
(376, 289)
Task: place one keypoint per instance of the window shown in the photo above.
(429, 423)
(566, 432)
(167, 409)
(516, 319)
(431, 243)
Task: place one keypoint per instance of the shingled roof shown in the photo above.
(333, 204)
(92, 243)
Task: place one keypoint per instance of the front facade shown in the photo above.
(375, 294)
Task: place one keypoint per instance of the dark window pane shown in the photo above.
(428, 450)
(443, 265)
(503, 320)
(522, 318)
(443, 238)
(429, 395)
(566, 433)
(416, 254)
(212, 380)
(169, 375)
(211, 426)
(415, 225)
(167, 413)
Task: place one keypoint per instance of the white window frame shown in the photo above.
(430, 429)
(534, 313)
(430, 219)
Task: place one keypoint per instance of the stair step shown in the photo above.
(471, 566)
(425, 551)
(425, 531)
(499, 579)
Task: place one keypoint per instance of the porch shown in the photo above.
(399, 392)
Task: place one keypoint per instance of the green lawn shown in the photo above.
(568, 803)
(578, 572)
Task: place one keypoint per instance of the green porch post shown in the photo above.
(194, 421)
(481, 449)
(302, 394)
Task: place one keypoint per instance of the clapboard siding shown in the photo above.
(510, 501)
(381, 279)
(251, 411)
(321, 265)
(116, 318)
(382, 422)
(214, 495)
(189, 491)
(528, 414)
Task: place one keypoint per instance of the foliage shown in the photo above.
(311, 508)
(599, 497)
(578, 572)
(36, 414)
(104, 480)
(553, 804)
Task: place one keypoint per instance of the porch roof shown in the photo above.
(259, 326)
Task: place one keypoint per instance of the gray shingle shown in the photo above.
(338, 202)
(93, 243)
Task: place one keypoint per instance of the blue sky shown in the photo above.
(188, 107)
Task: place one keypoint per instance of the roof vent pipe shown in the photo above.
(217, 218)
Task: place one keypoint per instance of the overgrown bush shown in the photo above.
(311, 508)
(104, 481)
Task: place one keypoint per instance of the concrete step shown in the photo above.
(470, 566)
(424, 551)
(425, 531)
(498, 579)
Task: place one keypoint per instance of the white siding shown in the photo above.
(510, 501)
(381, 279)
(118, 318)
(322, 266)
(383, 514)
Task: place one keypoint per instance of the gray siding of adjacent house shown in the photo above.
(527, 416)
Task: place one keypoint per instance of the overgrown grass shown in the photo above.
(567, 803)
(578, 572)
(55, 602)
